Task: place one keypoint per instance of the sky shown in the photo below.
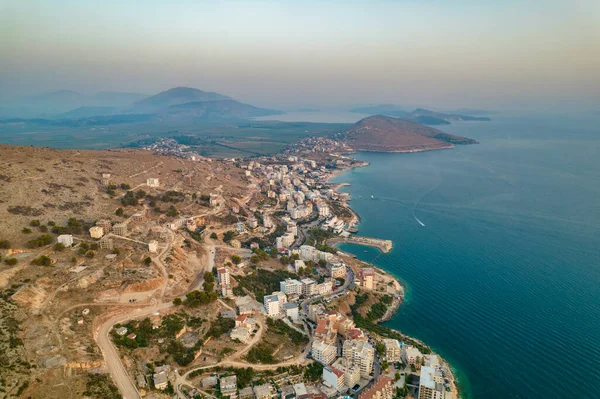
(479, 54)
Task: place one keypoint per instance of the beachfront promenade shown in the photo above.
(384, 246)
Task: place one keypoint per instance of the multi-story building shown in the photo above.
(267, 222)
(431, 384)
(383, 388)
(351, 372)
(291, 287)
(367, 278)
(291, 311)
(120, 229)
(96, 232)
(228, 386)
(410, 354)
(252, 222)
(337, 269)
(393, 350)
(323, 352)
(106, 243)
(274, 303)
(361, 353)
(333, 377)
(323, 288)
(309, 286)
(105, 224)
(224, 280)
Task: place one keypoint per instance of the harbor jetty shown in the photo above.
(384, 246)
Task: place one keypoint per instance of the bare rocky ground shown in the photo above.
(49, 312)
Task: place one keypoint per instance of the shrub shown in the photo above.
(40, 241)
(35, 223)
(4, 244)
(26, 230)
(59, 246)
(11, 261)
(42, 261)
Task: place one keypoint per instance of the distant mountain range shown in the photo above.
(420, 115)
(180, 104)
(387, 134)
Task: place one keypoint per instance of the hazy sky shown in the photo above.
(296, 53)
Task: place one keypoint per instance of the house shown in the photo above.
(209, 382)
(287, 392)
(160, 377)
(246, 393)
(263, 391)
(153, 246)
(367, 276)
(121, 331)
(65, 239)
(228, 386)
(152, 182)
(96, 232)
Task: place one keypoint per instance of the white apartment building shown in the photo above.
(333, 378)
(223, 276)
(360, 353)
(431, 384)
(291, 287)
(291, 311)
(267, 222)
(272, 305)
(323, 352)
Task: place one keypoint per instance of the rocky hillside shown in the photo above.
(387, 134)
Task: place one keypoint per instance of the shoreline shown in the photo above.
(395, 306)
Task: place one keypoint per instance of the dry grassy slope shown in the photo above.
(47, 184)
(387, 134)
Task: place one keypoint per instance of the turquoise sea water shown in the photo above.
(504, 278)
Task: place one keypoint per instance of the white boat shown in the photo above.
(372, 197)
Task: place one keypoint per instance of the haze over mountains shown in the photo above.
(420, 115)
(178, 103)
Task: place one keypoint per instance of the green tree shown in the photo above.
(236, 259)
(177, 301)
(214, 236)
(26, 230)
(42, 261)
(119, 212)
(147, 261)
(59, 246)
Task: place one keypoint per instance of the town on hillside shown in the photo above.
(189, 277)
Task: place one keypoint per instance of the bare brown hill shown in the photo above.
(386, 134)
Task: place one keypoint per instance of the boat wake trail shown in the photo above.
(418, 221)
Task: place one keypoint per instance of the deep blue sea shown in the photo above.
(504, 278)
